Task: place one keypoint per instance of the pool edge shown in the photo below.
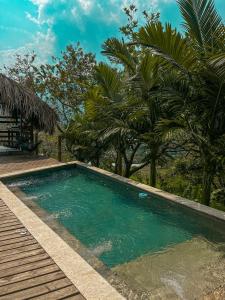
(198, 207)
(88, 281)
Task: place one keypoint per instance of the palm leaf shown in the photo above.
(202, 22)
(118, 50)
(168, 44)
(218, 63)
(109, 79)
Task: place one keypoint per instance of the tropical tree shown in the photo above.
(65, 80)
(197, 91)
(22, 70)
(111, 109)
(143, 76)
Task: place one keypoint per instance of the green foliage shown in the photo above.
(159, 103)
(219, 196)
(64, 81)
(22, 70)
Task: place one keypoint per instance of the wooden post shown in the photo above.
(35, 142)
(32, 132)
(59, 148)
(21, 126)
(9, 138)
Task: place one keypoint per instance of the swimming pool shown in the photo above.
(153, 244)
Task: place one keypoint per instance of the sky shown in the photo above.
(47, 26)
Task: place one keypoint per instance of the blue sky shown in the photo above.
(47, 26)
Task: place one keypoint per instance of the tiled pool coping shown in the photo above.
(91, 284)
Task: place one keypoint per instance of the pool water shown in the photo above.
(122, 225)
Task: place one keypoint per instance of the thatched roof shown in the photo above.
(14, 97)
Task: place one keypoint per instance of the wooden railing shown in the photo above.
(11, 132)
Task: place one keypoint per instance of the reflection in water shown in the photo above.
(161, 249)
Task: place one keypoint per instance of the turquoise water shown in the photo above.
(117, 222)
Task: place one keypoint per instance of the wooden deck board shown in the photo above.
(23, 261)
(26, 270)
(15, 240)
(32, 282)
(21, 255)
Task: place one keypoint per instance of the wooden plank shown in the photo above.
(16, 240)
(8, 122)
(18, 245)
(29, 274)
(21, 255)
(20, 250)
(13, 235)
(40, 290)
(7, 117)
(7, 220)
(9, 223)
(20, 231)
(9, 228)
(6, 214)
(24, 268)
(2, 204)
(59, 294)
(23, 261)
(32, 282)
(4, 208)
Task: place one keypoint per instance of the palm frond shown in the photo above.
(118, 50)
(168, 44)
(203, 23)
(218, 63)
(109, 79)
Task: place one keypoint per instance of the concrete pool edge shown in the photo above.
(198, 207)
(88, 284)
(88, 281)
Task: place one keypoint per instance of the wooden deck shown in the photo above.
(13, 163)
(26, 270)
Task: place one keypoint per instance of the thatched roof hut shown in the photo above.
(14, 98)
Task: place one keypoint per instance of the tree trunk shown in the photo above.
(206, 185)
(153, 172)
(97, 162)
(119, 164)
(59, 148)
(129, 161)
(127, 169)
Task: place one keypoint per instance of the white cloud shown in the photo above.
(86, 5)
(14, 29)
(41, 17)
(48, 12)
(42, 44)
(32, 18)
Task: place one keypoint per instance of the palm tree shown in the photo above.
(110, 107)
(197, 91)
(142, 73)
